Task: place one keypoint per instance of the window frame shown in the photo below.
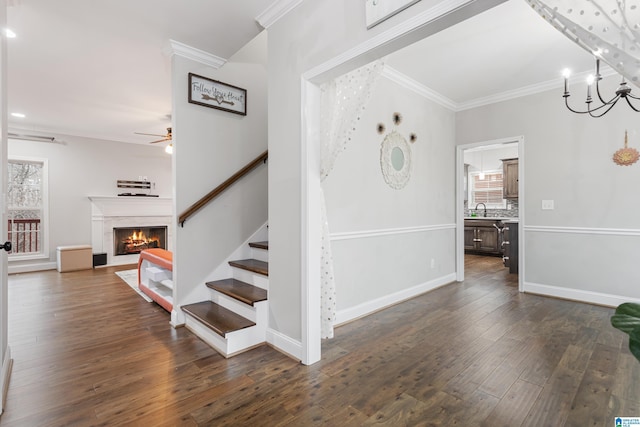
(471, 195)
(44, 222)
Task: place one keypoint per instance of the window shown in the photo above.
(26, 206)
(487, 190)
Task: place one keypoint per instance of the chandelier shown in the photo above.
(601, 107)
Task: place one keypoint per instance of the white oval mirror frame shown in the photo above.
(395, 160)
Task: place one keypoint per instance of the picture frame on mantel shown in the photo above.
(215, 94)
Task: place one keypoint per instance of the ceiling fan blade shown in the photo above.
(160, 140)
(150, 134)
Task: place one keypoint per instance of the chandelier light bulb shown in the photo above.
(566, 73)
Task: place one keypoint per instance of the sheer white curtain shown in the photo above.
(342, 102)
(608, 28)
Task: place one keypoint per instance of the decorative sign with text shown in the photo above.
(215, 94)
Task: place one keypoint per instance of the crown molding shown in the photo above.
(428, 93)
(605, 71)
(417, 87)
(186, 51)
(275, 11)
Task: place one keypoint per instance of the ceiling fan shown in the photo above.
(166, 137)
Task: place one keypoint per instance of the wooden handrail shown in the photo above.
(220, 188)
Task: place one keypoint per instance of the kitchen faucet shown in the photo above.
(485, 208)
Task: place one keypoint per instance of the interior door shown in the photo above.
(5, 352)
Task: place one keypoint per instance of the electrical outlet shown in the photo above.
(433, 263)
(547, 204)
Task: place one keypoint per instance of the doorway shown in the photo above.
(481, 201)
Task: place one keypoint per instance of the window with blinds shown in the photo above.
(487, 190)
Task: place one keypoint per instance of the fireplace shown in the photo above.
(133, 240)
(109, 213)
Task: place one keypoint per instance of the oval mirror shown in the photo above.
(397, 158)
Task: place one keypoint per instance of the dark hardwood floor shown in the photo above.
(88, 351)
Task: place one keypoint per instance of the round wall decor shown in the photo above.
(395, 160)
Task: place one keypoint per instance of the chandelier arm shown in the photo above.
(600, 107)
(631, 96)
(598, 91)
(566, 102)
(631, 105)
(589, 110)
(614, 99)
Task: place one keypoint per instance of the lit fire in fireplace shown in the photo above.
(138, 241)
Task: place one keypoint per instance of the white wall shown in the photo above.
(210, 145)
(81, 167)
(586, 248)
(375, 255)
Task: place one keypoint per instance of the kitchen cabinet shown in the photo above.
(510, 246)
(510, 178)
(483, 236)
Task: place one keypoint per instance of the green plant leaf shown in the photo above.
(634, 343)
(625, 322)
(629, 308)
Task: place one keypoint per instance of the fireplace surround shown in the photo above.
(109, 213)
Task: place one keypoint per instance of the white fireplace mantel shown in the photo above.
(130, 206)
(109, 212)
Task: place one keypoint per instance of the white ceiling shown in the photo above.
(505, 49)
(101, 69)
(98, 68)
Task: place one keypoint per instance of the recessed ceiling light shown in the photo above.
(9, 33)
(18, 115)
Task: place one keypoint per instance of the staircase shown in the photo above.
(235, 318)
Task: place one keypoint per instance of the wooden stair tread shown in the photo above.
(217, 318)
(260, 245)
(239, 290)
(253, 265)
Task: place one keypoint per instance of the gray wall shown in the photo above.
(309, 36)
(586, 248)
(375, 255)
(210, 146)
(81, 167)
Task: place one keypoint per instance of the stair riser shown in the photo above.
(252, 278)
(260, 254)
(250, 312)
(235, 342)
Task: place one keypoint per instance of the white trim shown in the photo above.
(369, 307)
(389, 231)
(285, 343)
(583, 230)
(309, 225)
(275, 11)
(194, 54)
(418, 88)
(28, 268)
(590, 297)
(5, 376)
(440, 99)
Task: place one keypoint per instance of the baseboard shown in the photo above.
(590, 297)
(284, 344)
(28, 268)
(369, 307)
(7, 364)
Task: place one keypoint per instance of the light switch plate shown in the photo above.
(547, 204)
